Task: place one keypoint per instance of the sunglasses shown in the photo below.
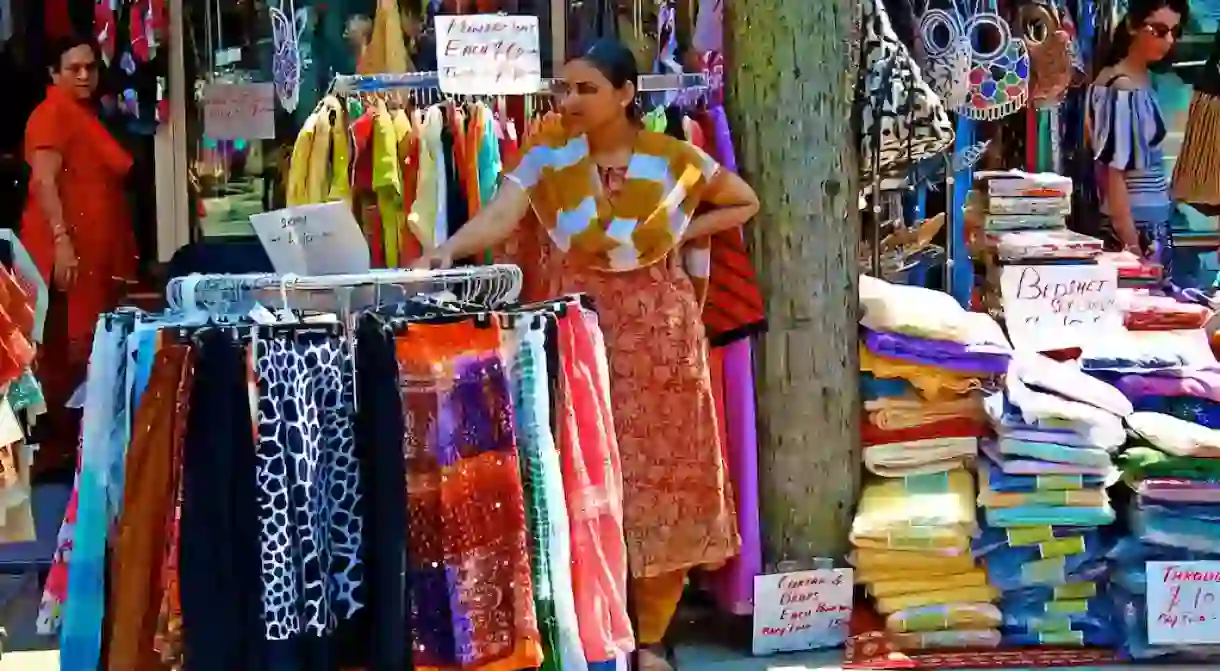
(1161, 31)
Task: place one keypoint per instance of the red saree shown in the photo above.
(92, 191)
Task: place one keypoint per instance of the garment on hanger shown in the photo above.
(1196, 172)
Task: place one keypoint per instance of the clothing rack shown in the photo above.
(348, 84)
(489, 286)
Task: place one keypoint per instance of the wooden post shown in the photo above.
(791, 70)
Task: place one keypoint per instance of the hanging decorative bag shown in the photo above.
(902, 119)
(946, 48)
(998, 79)
(1049, 47)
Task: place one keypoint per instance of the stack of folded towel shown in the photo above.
(912, 553)
(1042, 484)
(925, 364)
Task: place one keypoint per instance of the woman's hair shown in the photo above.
(1137, 14)
(62, 45)
(617, 64)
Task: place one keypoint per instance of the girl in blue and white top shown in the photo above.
(1126, 130)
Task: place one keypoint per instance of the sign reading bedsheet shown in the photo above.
(1184, 603)
(801, 610)
(1058, 307)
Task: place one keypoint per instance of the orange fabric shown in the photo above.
(656, 601)
(148, 498)
(409, 248)
(474, 131)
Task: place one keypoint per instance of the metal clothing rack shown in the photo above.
(221, 295)
(349, 84)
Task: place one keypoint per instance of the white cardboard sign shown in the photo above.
(488, 54)
(802, 610)
(239, 111)
(1184, 603)
(1056, 307)
(321, 239)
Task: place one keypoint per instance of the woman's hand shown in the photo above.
(66, 263)
(437, 259)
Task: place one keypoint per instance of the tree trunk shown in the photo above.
(791, 70)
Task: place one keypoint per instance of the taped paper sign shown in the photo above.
(488, 54)
(802, 610)
(239, 111)
(1057, 307)
(1184, 603)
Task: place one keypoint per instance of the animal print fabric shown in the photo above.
(902, 119)
(309, 484)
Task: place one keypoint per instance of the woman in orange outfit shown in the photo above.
(77, 228)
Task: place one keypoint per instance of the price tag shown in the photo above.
(239, 111)
(802, 610)
(1057, 307)
(1184, 603)
(321, 239)
(488, 54)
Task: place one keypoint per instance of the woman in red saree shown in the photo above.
(78, 230)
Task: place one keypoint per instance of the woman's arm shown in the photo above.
(1119, 201)
(732, 202)
(491, 226)
(45, 166)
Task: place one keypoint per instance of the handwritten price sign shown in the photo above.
(1057, 307)
(488, 54)
(321, 239)
(802, 610)
(1184, 603)
(239, 111)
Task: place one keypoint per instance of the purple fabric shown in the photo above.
(1201, 383)
(1178, 490)
(725, 153)
(733, 585)
(1034, 467)
(709, 26)
(984, 359)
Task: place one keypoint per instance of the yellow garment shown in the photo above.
(980, 593)
(656, 600)
(297, 187)
(318, 182)
(425, 209)
(972, 578)
(924, 512)
(931, 381)
(387, 180)
(893, 414)
(646, 219)
(948, 616)
(387, 48)
(340, 151)
(884, 562)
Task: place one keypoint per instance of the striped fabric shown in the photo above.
(1126, 130)
(1196, 173)
(666, 179)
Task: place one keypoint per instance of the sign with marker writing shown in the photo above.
(1184, 603)
(1057, 307)
(488, 54)
(802, 610)
(239, 111)
(321, 239)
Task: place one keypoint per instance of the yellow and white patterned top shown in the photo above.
(639, 225)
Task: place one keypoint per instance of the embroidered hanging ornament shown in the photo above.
(1048, 46)
(999, 80)
(286, 63)
(947, 55)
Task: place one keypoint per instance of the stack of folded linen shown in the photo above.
(1021, 201)
(1042, 485)
(1173, 468)
(912, 540)
(924, 369)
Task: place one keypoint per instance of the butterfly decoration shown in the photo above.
(286, 64)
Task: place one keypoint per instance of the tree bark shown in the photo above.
(791, 71)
